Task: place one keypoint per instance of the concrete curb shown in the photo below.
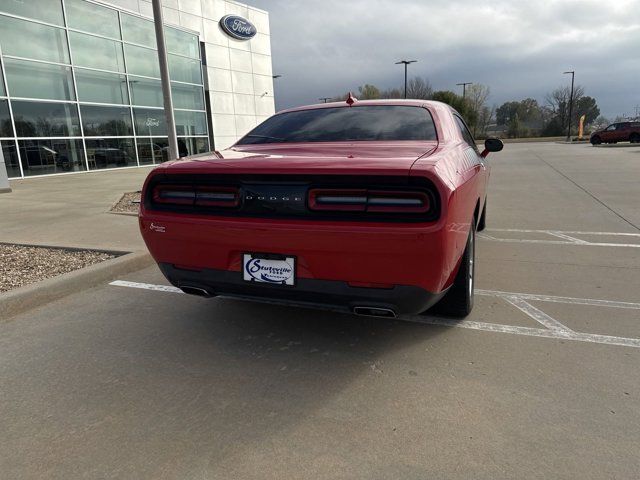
(37, 294)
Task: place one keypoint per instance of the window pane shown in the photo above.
(39, 119)
(31, 40)
(2, 92)
(10, 158)
(49, 11)
(187, 96)
(94, 52)
(146, 92)
(39, 80)
(185, 69)
(153, 150)
(193, 145)
(190, 123)
(182, 43)
(343, 124)
(5, 119)
(92, 18)
(149, 122)
(101, 87)
(110, 153)
(138, 30)
(108, 121)
(142, 61)
(40, 157)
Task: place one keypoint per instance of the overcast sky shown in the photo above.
(518, 48)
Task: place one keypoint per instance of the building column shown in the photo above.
(4, 178)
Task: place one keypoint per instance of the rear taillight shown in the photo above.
(338, 200)
(374, 201)
(204, 196)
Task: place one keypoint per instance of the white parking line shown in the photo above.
(552, 299)
(537, 314)
(568, 238)
(555, 329)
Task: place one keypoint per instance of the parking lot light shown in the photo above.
(573, 73)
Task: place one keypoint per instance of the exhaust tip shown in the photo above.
(374, 312)
(201, 292)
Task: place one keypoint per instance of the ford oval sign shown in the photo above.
(237, 27)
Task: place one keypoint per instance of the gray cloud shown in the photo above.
(518, 48)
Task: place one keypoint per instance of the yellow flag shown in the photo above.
(581, 127)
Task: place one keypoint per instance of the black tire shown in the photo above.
(596, 140)
(458, 301)
(634, 138)
(482, 224)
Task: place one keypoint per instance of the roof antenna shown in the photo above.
(351, 99)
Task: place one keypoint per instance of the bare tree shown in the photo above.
(477, 95)
(558, 102)
(419, 88)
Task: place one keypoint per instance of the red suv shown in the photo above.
(617, 132)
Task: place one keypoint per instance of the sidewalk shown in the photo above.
(71, 211)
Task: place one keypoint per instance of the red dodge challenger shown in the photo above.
(370, 207)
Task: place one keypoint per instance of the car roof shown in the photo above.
(361, 103)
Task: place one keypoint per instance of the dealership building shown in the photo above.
(80, 82)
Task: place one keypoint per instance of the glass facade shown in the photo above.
(80, 89)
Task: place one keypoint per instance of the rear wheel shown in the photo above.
(634, 138)
(458, 301)
(596, 140)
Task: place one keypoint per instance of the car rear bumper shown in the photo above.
(401, 299)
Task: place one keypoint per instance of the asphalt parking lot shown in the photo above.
(134, 380)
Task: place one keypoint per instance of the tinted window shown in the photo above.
(146, 92)
(184, 69)
(92, 18)
(101, 87)
(110, 153)
(10, 158)
(182, 43)
(108, 121)
(153, 150)
(95, 52)
(40, 157)
(45, 119)
(341, 124)
(150, 122)
(49, 11)
(5, 120)
(190, 123)
(464, 131)
(187, 96)
(32, 40)
(138, 30)
(39, 80)
(142, 61)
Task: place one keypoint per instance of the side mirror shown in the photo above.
(491, 145)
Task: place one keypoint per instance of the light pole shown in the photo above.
(464, 88)
(164, 78)
(325, 99)
(405, 63)
(573, 74)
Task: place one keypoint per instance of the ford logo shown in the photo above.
(272, 271)
(237, 27)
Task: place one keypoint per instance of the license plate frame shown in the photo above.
(269, 269)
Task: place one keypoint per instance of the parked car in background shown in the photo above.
(370, 207)
(617, 132)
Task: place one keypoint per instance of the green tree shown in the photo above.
(368, 92)
(460, 104)
(588, 107)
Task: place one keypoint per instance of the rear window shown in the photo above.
(345, 124)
